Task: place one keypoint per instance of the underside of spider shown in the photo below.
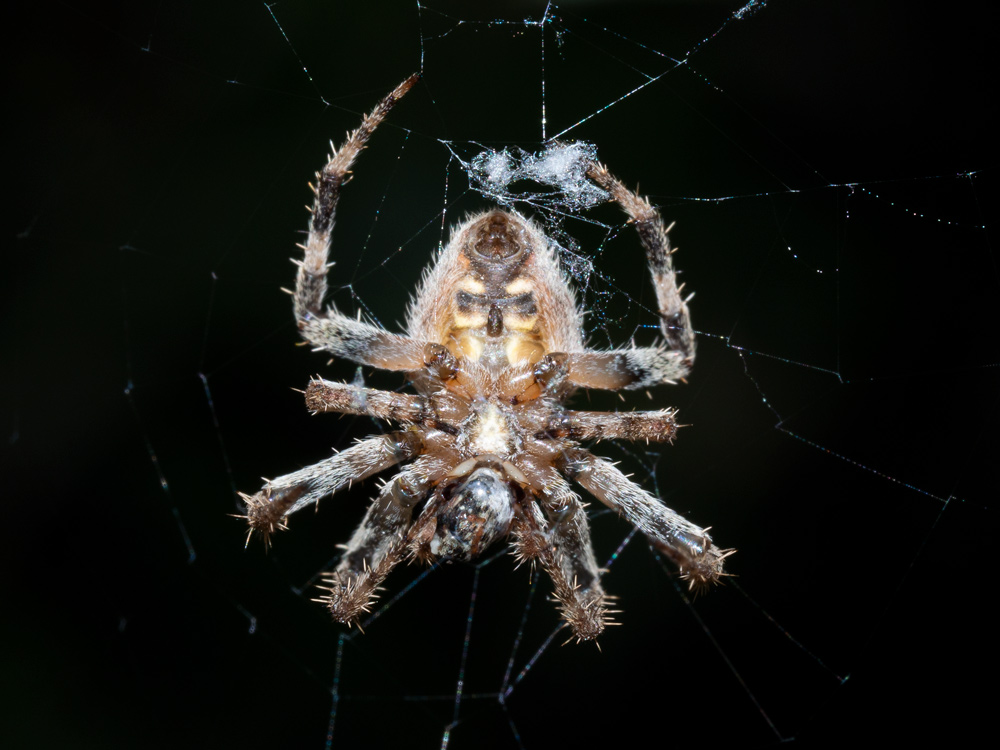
(493, 349)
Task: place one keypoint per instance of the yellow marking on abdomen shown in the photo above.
(471, 285)
(520, 348)
(520, 285)
(467, 345)
(475, 320)
(520, 323)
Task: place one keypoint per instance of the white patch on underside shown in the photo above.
(491, 434)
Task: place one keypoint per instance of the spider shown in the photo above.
(494, 348)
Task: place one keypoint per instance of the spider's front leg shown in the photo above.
(331, 330)
(379, 543)
(280, 497)
(645, 366)
(561, 543)
(687, 545)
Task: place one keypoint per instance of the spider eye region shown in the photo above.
(479, 513)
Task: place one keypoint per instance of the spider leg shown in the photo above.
(324, 396)
(361, 342)
(330, 330)
(379, 543)
(647, 366)
(687, 545)
(626, 369)
(285, 495)
(441, 412)
(658, 426)
(561, 543)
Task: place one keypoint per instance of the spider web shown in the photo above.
(825, 164)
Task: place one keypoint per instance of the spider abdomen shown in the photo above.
(501, 275)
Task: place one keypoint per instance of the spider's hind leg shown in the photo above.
(675, 321)
(671, 359)
(310, 284)
(329, 329)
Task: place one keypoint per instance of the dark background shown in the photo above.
(842, 404)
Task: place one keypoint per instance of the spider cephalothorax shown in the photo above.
(494, 348)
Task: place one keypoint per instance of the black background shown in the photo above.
(159, 157)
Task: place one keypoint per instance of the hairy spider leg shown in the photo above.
(489, 332)
(687, 545)
(379, 543)
(280, 497)
(330, 330)
(644, 366)
(559, 539)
